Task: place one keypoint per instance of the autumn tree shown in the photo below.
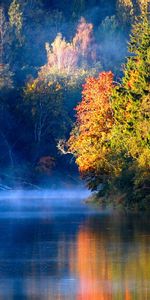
(83, 40)
(90, 138)
(69, 57)
(67, 65)
(111, 137)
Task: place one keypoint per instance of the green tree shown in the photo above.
(131, 104)
(44, 106)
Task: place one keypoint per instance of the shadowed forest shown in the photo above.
(74, 94)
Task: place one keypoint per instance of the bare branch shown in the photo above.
(62, 147)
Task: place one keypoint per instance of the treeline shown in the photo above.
(111, 137)
(47, 50)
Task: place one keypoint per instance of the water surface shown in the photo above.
(54, 247)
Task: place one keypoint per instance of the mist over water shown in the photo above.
(42, 203)
(54, 246)
(45, 194)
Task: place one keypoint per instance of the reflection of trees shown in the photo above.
(111, 263)
(91, 265)
(107, 258)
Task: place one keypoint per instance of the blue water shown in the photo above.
(55, 247)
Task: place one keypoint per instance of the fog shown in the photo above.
(44, 195)
(42, 203)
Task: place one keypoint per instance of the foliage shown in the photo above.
(111, 36)
(6, 80)
(131, 134)
(111, 137)
(128, 9)
(65, 57)
(125, 10)
(36, 113)
(66, 68)
(3, 34)
(89, 140)
(45, 165)
(6, 77)
(15, 17)
(44, 105)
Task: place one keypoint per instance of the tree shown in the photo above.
(111, 137)
(3, 34)
(44, 105)
(16, 18)
(128, 9)
(125, 11)
(64, 57)
(131, 133)
(89, 140)
(5, 73)
(83, 40)
(110, 35)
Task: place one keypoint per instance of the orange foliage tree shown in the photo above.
(89, 140)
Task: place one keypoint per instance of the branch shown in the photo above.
(62, 147)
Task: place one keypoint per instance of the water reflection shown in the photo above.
(91, 267)
(63, 250)
(112, 259)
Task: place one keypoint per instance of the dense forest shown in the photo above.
(74, 82)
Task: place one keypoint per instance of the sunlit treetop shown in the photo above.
(66, 57)
(83, 38)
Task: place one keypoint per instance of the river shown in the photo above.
(55, 247)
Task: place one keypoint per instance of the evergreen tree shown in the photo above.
(131, 133)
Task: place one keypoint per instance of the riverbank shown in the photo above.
(119, 201)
